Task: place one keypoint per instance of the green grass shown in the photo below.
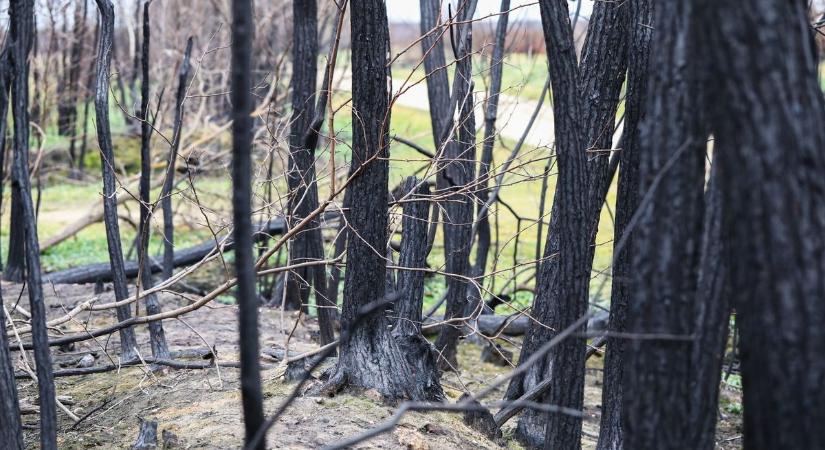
(516, 246)
(522, 75)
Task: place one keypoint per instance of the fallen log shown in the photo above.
(102, 272)
(513, 325)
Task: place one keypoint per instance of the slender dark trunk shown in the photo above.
(157, 337)
(22, 34)
(370, 358)
(769, 125)
(128, 343)
(667, 239)
(457, 168)
(488, 143)
(711, 321)
(438, 87)
(421, 355)
(11, 431)
(611, 436)
(15, 269)
(307, 244)
(169, 180)
(67, 108)
(585, 96)
(89, 90)
(243, 29)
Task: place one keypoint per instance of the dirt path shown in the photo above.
(513, 113)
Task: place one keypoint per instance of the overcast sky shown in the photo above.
(407, 10)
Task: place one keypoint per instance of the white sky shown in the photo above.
(407, 10)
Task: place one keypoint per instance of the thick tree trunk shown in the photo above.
(157, 337)
(611, 436)
(370, 358)
(769, 125)
(22, 35)
(169, 180)
(594, 88)
(243, 29)
(128, 343)
(667, 240)
(457, 168)
(11, 431)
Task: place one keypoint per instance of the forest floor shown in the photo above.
(201, 408)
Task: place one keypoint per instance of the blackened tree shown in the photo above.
(22, 35)
(243, 29)
(169, 180)
(406, 330)
(303, 199)
(586, 96)
(457, 169)
(370, 358)
(667, 240)
(11, 431)
(128, 343)
(157, 338)
(627, 201)
(769, 126)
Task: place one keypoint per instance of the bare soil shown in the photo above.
(201, 408)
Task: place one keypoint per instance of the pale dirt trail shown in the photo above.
(513, 112)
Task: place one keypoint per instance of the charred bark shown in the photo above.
(420, 354)
(438, 87)
(157, 338)
(307, 244)
(768, 118)
(128, 342)
(22, 35)
(611, 436)
(711, 321)
(667, 240)
(585, 118)
(169, 181)
(11, 431)
(369, 357)
(457, 168)
(243, 29)
(486, 160)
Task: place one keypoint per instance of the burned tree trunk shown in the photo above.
(370, 358)
(22, 35)
(490, 116)
(584, 122)
(712, 315)
(15, 269)
(406, 330)
(307, 244)
(169, 180)
(611, 436)
(11, 431)
(157, 337)
(667, 240)
(128, 343)
(70, 86)
(457, 168)
(243, 29)
(769, 124)
(438, 88)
